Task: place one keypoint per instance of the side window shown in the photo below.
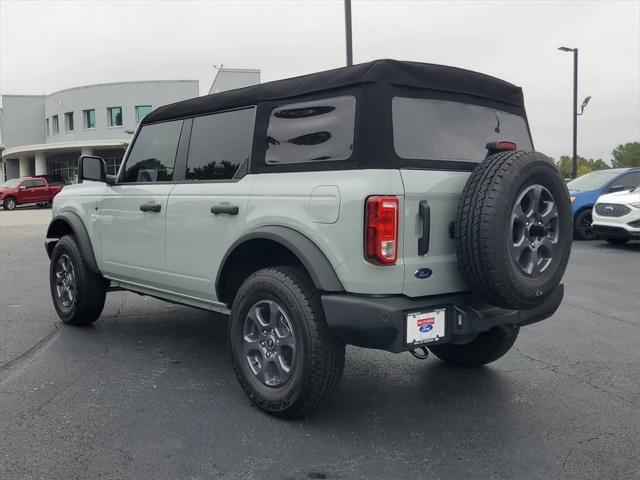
(27, 184)
(153, 154)
(39, 183)
(315, 131)
(219, 144)
(630, 180)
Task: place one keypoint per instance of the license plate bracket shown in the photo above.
(426, 326)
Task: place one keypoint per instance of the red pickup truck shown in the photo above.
(25, 190)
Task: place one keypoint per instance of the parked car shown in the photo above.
(389, 205)
(27, 190)
(52, 179)
(616, 217)
(586, 189)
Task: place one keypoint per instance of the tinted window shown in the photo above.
(444, 130)
(219, 144)
(592, 180)
(153, 154)
(39, 183)
(316, 131)
(27, 184)
(630, 180)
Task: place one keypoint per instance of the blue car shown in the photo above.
(586, 189)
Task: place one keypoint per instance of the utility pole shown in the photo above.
(347, 28)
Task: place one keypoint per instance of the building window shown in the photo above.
(47, 122)
(56, 125)
(114, 115)
(142, 111)
(89, 118)
(68, 121)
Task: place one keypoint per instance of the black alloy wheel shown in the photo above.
(534, 227)
(66, 282)
(269, 343)
(583, 226)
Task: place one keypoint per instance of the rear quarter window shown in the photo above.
(427, 129)
(313, 131)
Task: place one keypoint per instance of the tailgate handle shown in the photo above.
(425, 213)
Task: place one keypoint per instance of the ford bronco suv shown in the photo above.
(390, 205)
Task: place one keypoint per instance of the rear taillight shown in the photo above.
(381, 230)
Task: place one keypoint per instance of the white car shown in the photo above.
(616, 216)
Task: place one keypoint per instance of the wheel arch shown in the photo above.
(269, 246)
(582, 209)
(69, 223)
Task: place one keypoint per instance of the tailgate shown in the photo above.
(440, 192)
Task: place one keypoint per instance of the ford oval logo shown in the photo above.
(426, 328)
(423, 273)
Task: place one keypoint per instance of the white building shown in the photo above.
(45, 134)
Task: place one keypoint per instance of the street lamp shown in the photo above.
(574, 167)
(347, 31)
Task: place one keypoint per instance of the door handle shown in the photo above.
(225, 208)
(150, 207)
(424, 210)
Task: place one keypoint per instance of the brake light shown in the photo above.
(501, 146)
(381, 230)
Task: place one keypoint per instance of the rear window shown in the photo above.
(315, 131)
(444, 130)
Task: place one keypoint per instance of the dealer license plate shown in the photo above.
(426, 327)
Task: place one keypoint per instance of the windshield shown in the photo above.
(11, 183)
(428, 129)
(592, 180)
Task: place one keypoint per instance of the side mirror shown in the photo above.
(22, 187)
(91, 168)
(617, 188)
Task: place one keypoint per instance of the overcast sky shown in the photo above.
(48, 46)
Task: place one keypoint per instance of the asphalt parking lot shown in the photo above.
(149, 392)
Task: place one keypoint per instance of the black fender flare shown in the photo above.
(314, 261)
(60, 225)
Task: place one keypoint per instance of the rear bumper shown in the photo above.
(380, 321)
(605, 231)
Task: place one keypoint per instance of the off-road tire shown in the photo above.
(483, 229)
(579, 230)
(319, 360)
(487, 347)
(9, 203)
(91, 288)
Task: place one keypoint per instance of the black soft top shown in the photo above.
(425, 76)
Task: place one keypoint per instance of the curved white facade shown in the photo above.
(45, 134)
(99, 98)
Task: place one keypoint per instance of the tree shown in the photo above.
(627, 155)
(585, 165)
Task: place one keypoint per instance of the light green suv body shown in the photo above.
(389, 205)
(177, 253)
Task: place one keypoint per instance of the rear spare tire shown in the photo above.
(513, 229)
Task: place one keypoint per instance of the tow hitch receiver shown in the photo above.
(420, 355)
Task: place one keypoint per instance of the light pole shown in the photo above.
(347, 31)
(574, 166)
